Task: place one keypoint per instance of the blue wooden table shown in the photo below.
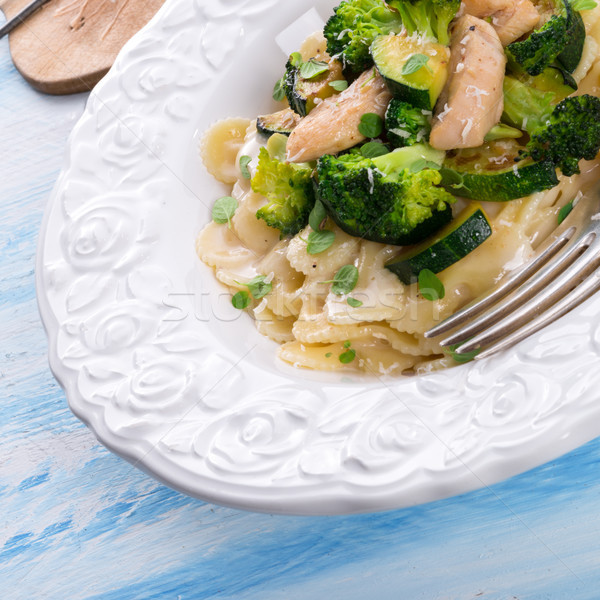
(79, 522)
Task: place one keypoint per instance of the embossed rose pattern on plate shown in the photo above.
(155, 361)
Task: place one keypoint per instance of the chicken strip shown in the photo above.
(333, 125)
(472, 101)
(510, 18)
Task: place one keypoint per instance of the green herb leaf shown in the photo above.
(453, 179)
(421, 164)
(339, 85)
(244, 162)
(373, 149)
(329, 355)
(414, 63)
(319, 241)
(258, 287)
(313, 68)
(348, 356)
(583, 4)
(296, 59)
(347, 344)
(344, 281)
(223, 209)
(461, 358)
(430, 287)
(279, 90)
(564, 211)
(317, 216)
(241, 300)
(371, 125)
(354, 303)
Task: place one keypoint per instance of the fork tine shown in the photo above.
(556, 291)
(504, 289)
(568, 303)
(527, 291)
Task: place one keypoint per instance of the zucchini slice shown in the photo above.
(459, 238)
(570, 57)
(282, 122)
(491, 173)
(304, 94)
(422, 87)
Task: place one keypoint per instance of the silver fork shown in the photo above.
(562, 275)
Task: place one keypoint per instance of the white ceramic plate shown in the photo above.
(168, 375)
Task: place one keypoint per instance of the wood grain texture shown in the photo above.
(80, 523)
(68, 45)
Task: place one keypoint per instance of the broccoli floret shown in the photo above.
(405, 124)
(541, 48)
(560, 37)
(353, 27)
(562, 133)
(385, 199)
(571, 133)
(289, 190)
(429, 18)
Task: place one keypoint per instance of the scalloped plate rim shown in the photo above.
(260, 498)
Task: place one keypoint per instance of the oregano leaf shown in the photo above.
(241, 300)
(414, 64)
(430, 287)
(223, 209)
(244, 162)
(319, 241)
(371, 125)
(317, 216)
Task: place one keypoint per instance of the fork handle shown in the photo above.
(20, 17)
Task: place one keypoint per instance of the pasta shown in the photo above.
(314, 326)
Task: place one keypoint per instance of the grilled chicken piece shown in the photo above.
(472, 101)
(333, 125)
(510, 18)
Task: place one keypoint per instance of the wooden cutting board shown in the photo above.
(68, 45)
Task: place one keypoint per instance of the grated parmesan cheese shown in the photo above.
(473, 91)
(400, 133)
(443, 114)
(459, 67)
(516, 171)
(371, 180)
(261, 307)
(468, 125)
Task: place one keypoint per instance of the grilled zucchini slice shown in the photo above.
(452, 243)
(393, 55)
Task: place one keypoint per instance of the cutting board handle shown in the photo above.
(67, 46)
